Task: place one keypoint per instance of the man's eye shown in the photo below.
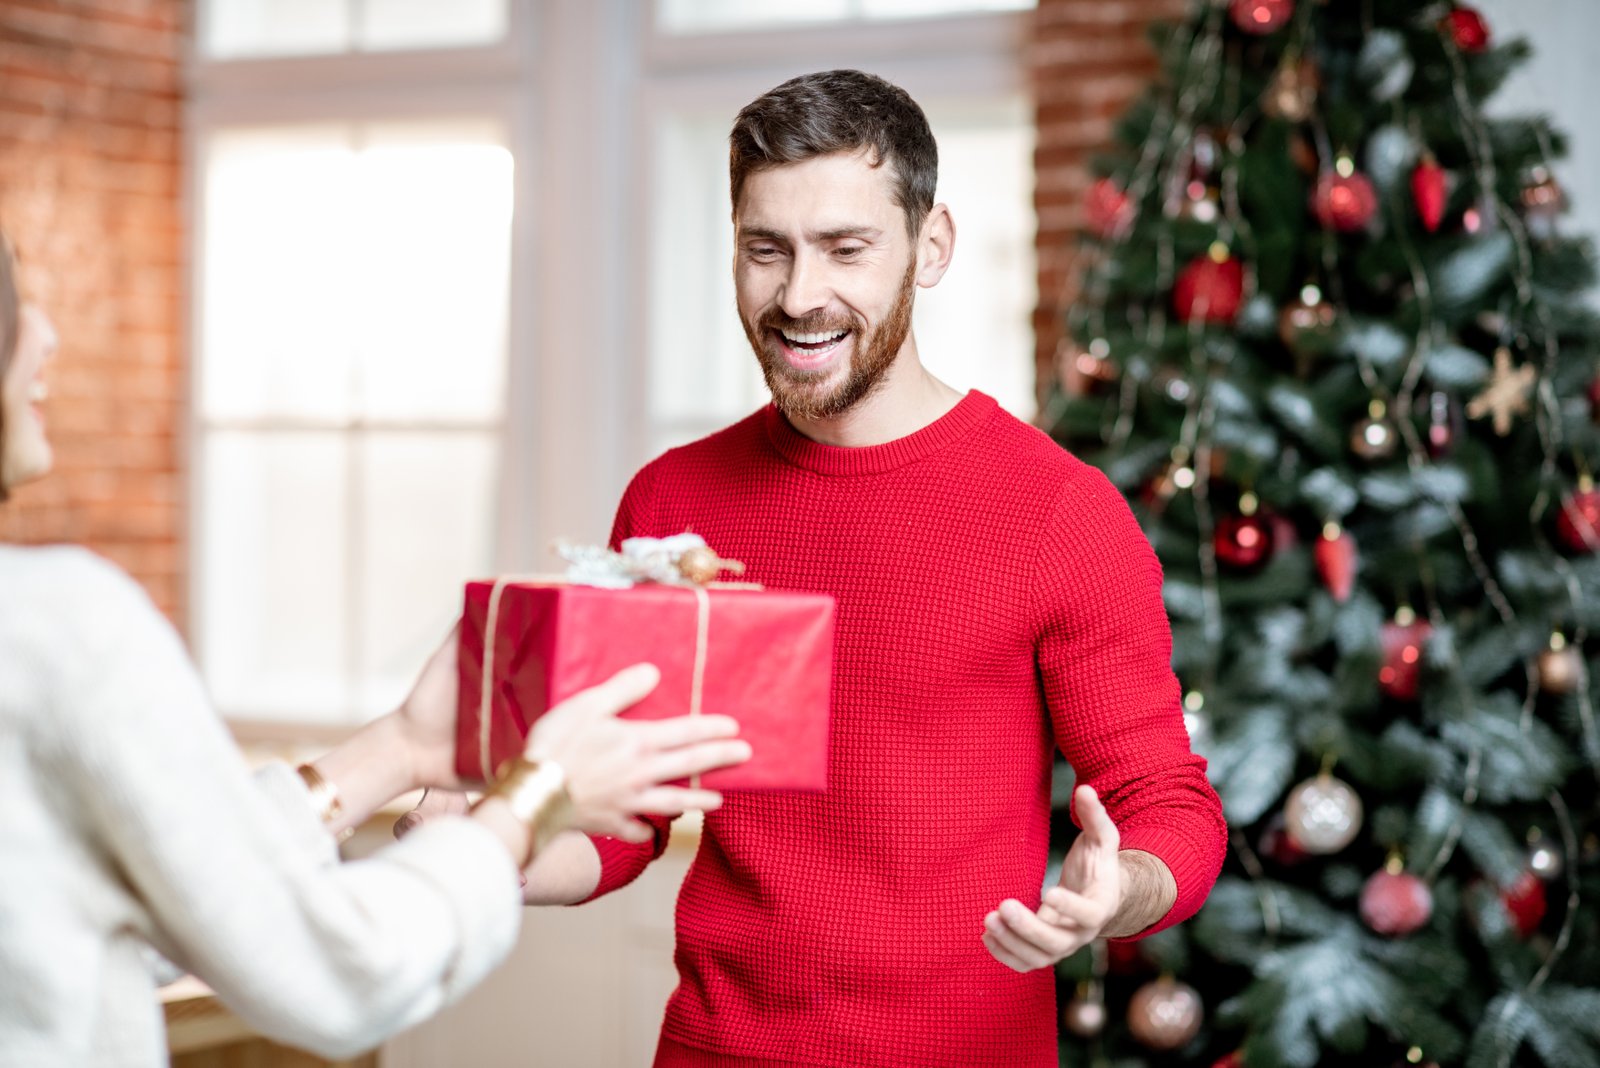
(763, 251)
(848, 252)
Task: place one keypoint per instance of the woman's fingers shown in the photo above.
(683, 730)
(676, 800)
(696, 760)
(623, 690)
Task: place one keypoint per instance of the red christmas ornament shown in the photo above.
(1243, 542)
(1108, 208)
(1525, 903)
(1429, 192)
(1402, 640)
(1261, 16)
(1124, 958)
(1467, 29)
(1336, 559)
(1395, 902)
(1578, 523)
(1278, 845)
(1594, 399)
(1209, 289)
(1344, 199)
(1231, 1060)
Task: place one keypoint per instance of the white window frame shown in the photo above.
(580, 86)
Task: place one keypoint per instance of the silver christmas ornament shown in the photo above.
(1323, 815)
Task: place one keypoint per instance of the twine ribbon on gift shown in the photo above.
(702, 640)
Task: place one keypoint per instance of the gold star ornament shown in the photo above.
(1507, 392)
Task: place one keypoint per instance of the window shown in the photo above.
(238, 29)
(351, 389)
(697, 16)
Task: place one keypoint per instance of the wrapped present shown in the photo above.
(763, 657)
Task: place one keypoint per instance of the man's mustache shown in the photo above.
(819, 323)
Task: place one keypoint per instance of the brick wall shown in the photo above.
(1088, 60)
(89, 186)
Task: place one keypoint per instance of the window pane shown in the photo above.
(974, 329)
(700, 16)
(273, 538)
(279, 328)
(356, 271)
(431, 238)
(239, 28)
(426, 509)
(393, 24)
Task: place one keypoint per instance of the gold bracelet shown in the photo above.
(536, 793)
(324, 795)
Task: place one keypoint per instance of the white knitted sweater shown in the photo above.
(128, 820)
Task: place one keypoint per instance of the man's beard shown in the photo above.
(800, 394)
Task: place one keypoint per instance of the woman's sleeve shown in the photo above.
(242, 882)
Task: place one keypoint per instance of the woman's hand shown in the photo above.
(427, 720)
(616, 768)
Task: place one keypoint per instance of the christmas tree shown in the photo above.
(1331, 342)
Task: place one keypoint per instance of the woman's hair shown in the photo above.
(10, 322)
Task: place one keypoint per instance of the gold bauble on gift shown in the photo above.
(1292, 95)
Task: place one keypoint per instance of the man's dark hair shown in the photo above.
(839, 111)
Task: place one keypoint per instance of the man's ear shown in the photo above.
(935, 245)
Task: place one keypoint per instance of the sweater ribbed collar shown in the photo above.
(971, 412)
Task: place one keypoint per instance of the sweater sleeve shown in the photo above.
(242, 885)
(1104, 649)
(623, 862)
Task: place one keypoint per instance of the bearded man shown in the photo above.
(996, 600)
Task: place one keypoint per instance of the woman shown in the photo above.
(129, 822)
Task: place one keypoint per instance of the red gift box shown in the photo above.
(764, 657)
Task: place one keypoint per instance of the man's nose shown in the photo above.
(805, 289)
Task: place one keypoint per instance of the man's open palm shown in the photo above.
(1075, 911)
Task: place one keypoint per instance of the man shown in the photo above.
(996, 597)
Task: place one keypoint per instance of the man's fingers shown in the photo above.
(1003, 955)
(1094, 820)
(1073, 910)
(1020, 948)
(1055, 940)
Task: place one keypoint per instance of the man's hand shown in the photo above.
(1103, 893)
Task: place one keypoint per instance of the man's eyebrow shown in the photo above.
(760, 233)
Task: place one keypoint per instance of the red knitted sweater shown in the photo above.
(996, 598)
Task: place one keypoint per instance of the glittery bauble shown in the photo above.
(1336, 559)
(699, 565)
(1560, 668)
(1546, 861)
(1543, 201)
(1307, 325)
(1085, 1015)
(1525, 903)
(1578, 523)
(1292, 96)
(1374, 439)
(1402, 641)
(1395, 903)
(1323, 815)
(1261, 16)
(1467, 29)
(1429, 192)
(1231, 1060)
(1164, 1014)
(1243, 542)
(1088, 371)
(1108, 208)
(1444, 418)
(1209, 289)
(1344, 202)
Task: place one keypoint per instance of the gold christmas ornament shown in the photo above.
(701, 565)
(1085, 1014)
(1165, 1014)
(1560, 669)
(1292, 95)
(1306, 326)
(1506, 395)
(1374, 438)
(1323, 815)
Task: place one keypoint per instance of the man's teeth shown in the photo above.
(813, 339)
